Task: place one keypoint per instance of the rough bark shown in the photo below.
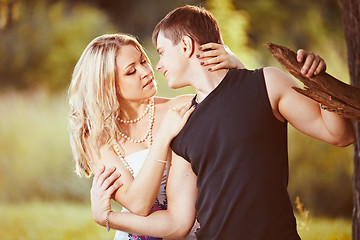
(351, 22)
(334, 94)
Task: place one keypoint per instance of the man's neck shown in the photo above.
(205, 82)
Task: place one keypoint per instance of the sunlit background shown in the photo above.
(40, 42)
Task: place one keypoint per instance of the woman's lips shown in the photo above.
(150, 82)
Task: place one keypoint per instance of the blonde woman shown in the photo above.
(117, 125)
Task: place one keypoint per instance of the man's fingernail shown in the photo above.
(200, 48)
(202, 63)
(209, 69)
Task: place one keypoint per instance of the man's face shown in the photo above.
(172, 61)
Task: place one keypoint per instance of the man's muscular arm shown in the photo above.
(304, 113)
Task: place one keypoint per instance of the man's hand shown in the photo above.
(313, 63)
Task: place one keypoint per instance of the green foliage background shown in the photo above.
(41, 44)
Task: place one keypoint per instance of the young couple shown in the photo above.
(226, 165)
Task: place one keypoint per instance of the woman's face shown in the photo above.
(135, 77)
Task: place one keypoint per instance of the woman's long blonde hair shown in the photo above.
(93, 99)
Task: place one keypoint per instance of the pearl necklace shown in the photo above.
(149, 129)
(142, 115)
(116, 146)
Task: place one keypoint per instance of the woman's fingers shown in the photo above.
(104, 175)
(208, 46)
(211, 50)
(209, 54)
(182, 109)
(106, 184)
(218, 66)
(213, 60)
(115, 186)
(188, 113)
(109, 181)
(216, 56)
(97, 174)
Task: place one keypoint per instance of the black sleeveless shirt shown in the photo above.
(238, 150)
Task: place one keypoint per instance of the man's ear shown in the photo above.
(188, 46)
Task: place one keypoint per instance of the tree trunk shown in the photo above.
(7, 7)
(351, 21)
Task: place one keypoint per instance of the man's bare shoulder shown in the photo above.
(275, 76)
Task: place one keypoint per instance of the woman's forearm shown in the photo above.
(145, 187)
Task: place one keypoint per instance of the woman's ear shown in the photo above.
(188, 46)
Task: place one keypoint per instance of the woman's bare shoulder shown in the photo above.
(176, 101)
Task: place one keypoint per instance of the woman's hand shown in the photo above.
(216, 56)
(174, 120)
(106, 181)
(313, 63)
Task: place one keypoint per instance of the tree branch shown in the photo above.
(334, 94)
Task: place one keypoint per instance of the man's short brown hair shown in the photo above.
(195, 22)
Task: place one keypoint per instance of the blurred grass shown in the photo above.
(63, 221)
(35, 154)
(57, 221)
(325, 228)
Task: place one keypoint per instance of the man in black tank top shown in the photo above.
(240, 158)
(234, 145)
(236, 139)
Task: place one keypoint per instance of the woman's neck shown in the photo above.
(132, 109)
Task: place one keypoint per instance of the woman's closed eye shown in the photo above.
(131, 72)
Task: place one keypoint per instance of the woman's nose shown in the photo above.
(146, 70)
(158, 66)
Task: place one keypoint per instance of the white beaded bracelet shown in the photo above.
(157, 160)
(107, 220)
